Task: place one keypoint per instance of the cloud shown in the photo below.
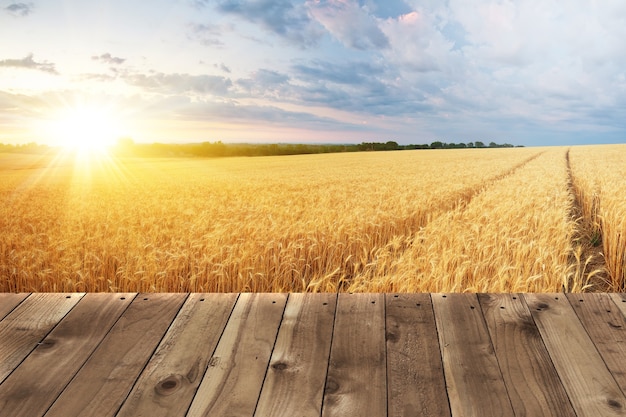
(20, 9)
(29, 63)
(349, 22)
(385, 9)
(269, 84)
(207, 34)
(417, 43)
(245, 114)
(222, 67)
(284, 18)
(356, 72)
(179, 83)
(107, 58)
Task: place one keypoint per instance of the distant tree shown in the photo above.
(479, 144)
(470, 144)
(436, 145)
(391, 145)
(493, 145)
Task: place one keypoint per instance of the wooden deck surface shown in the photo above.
(298, 355)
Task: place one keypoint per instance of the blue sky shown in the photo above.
(529, 72)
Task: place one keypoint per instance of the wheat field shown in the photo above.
(492, 220)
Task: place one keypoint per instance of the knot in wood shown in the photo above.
(616, 405)
(169, 385)
(279, 366)
(331, 387)
(391, 337)
(46, 344)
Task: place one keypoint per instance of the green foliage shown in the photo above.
(127, 147)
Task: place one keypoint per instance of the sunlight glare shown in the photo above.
(86, 129)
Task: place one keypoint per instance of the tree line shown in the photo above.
(127, 147)
(220, 149)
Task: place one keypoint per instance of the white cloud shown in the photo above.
(348, 22)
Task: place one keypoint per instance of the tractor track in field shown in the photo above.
(589, 264)
(459, 200)
(475, 192)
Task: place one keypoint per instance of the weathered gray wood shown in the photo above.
(415, 379)
(107, 377)
(171, 378)
(356, 381)
(232, 383)
(37, 382)
(382, 359)
(294, 384)
(533, 385)
(620, 301)
(606, 326)
(8, 301)
(28, 324)
(475, 383)
(589, 384)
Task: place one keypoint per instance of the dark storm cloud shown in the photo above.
(29, 63)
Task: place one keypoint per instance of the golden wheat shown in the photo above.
(457, 220)
(513, 236)
(598, 175)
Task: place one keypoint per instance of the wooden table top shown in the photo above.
(295, 355)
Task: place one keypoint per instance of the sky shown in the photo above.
(527, 72)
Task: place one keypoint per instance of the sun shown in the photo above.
(86, 129)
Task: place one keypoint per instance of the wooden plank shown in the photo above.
(533, 385)
(8, 301)
(294, 384)
(37, 382)
(107, 377)
(232, 383)
(169, 382)
(28, 324)
(589, 384)
(475, 384)
(606, 326)
(415, 379)
(356, 382)
(620, 301)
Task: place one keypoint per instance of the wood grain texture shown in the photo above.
(620, 301)
(589, 384)
(294, 384)
(356, 382)
(171, 378)
(415, 379)
(232, 383)
(606, 326)
(8, 301)
(32, 388)
(533, 385)
(475, 383)
(313, 354)
(103, 383)
(28, 324)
